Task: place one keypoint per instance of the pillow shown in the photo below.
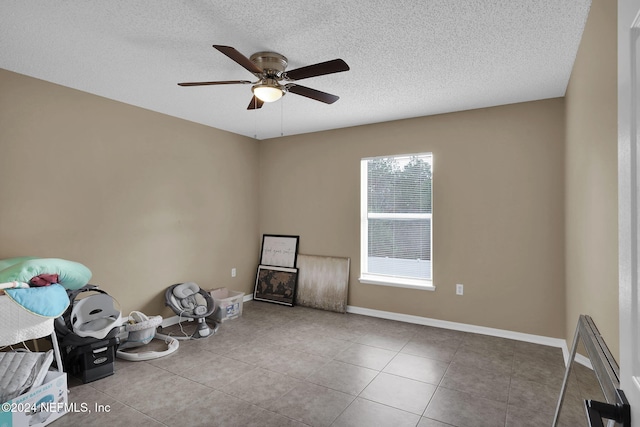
(71, 275)
(50, 301)
(8, 262)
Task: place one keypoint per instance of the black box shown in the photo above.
(93, 361)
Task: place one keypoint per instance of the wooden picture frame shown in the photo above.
(279, 250)
(276, 284)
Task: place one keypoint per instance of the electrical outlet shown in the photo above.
(233, 272)
(459, 289)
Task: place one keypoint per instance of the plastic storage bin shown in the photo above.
(228, 304)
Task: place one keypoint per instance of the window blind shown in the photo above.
(397, 220)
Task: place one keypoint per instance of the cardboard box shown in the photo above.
(228, 304)
(38, 407)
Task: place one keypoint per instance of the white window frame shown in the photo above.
(381, 279)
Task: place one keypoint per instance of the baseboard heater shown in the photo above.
(616, 410)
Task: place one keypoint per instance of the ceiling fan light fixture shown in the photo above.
(268, 90)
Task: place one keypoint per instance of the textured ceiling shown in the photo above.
(408, 58)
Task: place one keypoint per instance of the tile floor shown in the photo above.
(281, 366)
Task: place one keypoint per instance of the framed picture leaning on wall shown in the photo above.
(276, 284)
(279, 251)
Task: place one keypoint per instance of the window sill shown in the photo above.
(398, 282)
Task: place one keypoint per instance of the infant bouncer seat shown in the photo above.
(189, 300)
(139, 331)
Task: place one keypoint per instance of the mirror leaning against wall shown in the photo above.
(590, 394)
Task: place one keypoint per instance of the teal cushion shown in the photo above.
(71, 274)
(47, 301)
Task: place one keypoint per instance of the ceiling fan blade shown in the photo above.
(255, 103)
(239, 58)
(327, 98)
(320, 69)
(227, 82)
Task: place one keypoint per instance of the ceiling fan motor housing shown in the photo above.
(271, 63)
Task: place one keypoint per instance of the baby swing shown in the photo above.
(189, 300)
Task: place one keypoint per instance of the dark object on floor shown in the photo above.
(88, 333)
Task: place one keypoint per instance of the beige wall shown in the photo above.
(146, 200)
(591, 178)
(143, 199)
(498, 210)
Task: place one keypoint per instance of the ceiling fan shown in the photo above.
(273, 81)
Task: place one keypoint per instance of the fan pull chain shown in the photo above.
(255, 124)
(281, 117)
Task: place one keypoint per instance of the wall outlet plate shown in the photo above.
(459, 289)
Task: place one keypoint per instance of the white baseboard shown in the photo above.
(174, 320)
(584, 361)
(464, 327)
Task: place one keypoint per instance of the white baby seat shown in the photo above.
(95, 316)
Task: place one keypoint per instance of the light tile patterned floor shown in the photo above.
(281, 366)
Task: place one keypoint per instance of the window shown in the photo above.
(395, 237)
